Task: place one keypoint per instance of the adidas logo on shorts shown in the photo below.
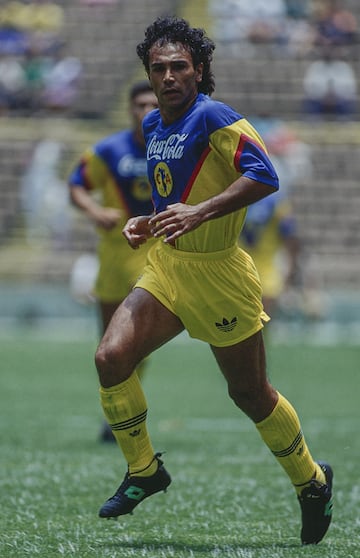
(227, 325)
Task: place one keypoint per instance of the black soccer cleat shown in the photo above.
(316, 508)
(134, 490)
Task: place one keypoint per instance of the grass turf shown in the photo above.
(229, 497)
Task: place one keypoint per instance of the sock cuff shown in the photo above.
(118, 388)
(263, 423)
(283, 410)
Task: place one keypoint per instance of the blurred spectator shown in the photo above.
(62, 82)
(300, 32)
(45, 16)
(330, 86)
(238, 23)
(34, 70)
(290, 156)
(44, 196)
(36, 67)
(333, 24)
(12, 15)
(22, 22)
(300, 37)
(298, 9)
(12, 41)
(45, 22)
(35, 82)
(266, 21)
(98, 2)
(13, 37)
(241, 24)
(12, 83)
(34, 15)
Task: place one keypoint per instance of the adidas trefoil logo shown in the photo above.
(227, 325)
(135, 432)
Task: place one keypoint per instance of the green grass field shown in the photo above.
(229, 497)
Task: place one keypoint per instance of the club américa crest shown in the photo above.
(163, 179)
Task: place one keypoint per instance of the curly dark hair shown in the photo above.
(171, 29)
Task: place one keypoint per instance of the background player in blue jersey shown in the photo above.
(269, 235)
(206, 164)
(115, 170)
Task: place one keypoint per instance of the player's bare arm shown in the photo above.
(180, 218)
(105, 217)
(137, 231)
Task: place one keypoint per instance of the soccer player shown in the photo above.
(115, 169)
(206, 164)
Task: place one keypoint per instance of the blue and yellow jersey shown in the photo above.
(116, 168)
(199, 156)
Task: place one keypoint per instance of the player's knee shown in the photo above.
(107, 359)
(256, 401)
(248, 398)
(114, 364)
(243, 396)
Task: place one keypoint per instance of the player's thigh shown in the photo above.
(107, 310)
(140, 325)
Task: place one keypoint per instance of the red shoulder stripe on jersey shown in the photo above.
(244, 139)
(86, 180)
(194, 174)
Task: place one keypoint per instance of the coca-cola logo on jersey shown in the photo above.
(171, 148)
(132, 166)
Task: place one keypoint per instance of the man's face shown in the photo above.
(141, 105)
(173, 78)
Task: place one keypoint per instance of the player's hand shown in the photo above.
(136, 231)
(176, 220)
(107, 217)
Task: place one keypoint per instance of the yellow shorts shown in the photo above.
(119, 268)
(216, 295)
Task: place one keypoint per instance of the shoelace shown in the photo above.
(123, 486)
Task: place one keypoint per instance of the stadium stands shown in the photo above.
(103, 36)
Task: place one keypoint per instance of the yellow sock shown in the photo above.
(125, 409)
(281, 432)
